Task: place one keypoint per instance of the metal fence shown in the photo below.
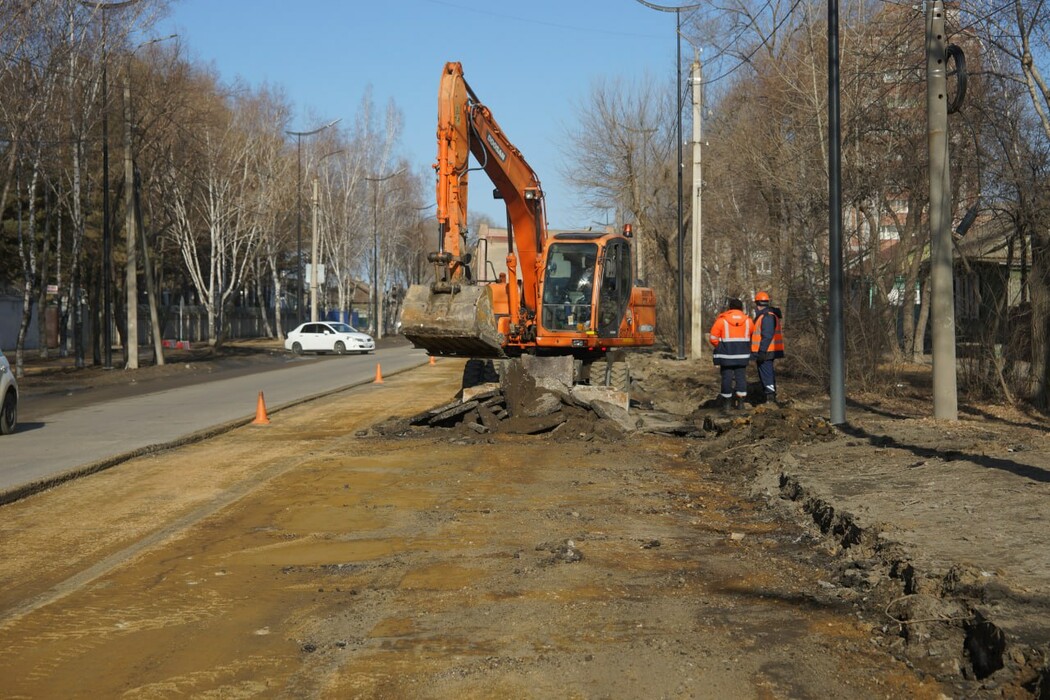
(178, 322)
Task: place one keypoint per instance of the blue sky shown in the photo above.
(529, 62)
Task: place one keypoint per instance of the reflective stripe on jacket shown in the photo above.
(731, 338)
(767, 335)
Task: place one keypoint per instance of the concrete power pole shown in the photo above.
(131, 341)
(313, 256)
(942, 301)
(696, 337)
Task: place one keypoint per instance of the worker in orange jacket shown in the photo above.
(767, 344)
(731, 339)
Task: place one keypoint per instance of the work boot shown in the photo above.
(738, 403)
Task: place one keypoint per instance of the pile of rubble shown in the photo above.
(535, 397)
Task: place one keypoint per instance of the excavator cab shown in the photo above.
(586, 284)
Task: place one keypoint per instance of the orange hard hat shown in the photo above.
(762, 296)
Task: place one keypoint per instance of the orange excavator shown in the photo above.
(564, 293)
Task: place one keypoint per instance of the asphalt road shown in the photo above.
(51, 448)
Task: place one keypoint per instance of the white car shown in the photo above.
(328, 336)
(8, 397)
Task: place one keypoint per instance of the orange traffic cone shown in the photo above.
(260, 412)
(379, 375)
(431, 359)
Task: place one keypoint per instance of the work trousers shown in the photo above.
(734, 376)
(767, 376)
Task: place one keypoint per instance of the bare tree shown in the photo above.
(622, 156)
(216, 213)
(1017, 35)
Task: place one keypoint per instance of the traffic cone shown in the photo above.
(260, 412)
(431, 359)
(379, 375)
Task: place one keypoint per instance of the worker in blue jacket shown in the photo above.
(767, 344)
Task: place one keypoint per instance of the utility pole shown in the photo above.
(942, 301)
(147, 268)
(131, 231)
(107, 243)
(131, 340)
(836, 330)
(696, 339)
(678, 94)
(377, 278)
(313, 257)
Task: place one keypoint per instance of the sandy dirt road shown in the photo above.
(304, 559)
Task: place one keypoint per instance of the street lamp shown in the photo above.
(299, 209)
(681, 231)
(313, 241)
(107, 244)
(375, 248)
(131, 341)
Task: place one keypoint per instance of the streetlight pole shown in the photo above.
(836, 285)
(299, 211)
(107, 243)
(378, 328)
(681, 229)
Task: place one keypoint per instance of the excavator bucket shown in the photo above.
(460, 324)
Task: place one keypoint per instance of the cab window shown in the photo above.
(568, 286)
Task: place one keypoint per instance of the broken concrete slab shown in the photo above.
(559, 368)
(481, 392)
(585, 395)
(453, 411)
(615, 413)
(543, 405)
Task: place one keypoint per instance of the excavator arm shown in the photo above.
(466, 126)
(453, 316)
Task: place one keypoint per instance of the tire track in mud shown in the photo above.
(127, 554)
(151, 512)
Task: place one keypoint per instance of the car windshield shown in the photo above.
(343, 328)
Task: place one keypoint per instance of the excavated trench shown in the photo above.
(932, 618)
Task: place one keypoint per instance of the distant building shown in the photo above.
(491, 256)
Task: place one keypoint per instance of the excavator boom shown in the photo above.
(453, 316)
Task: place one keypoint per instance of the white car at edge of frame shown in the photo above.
(328, 336)
(8, 397)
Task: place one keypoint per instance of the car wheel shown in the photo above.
(340, 348)
(297, 349)
(8, 414)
